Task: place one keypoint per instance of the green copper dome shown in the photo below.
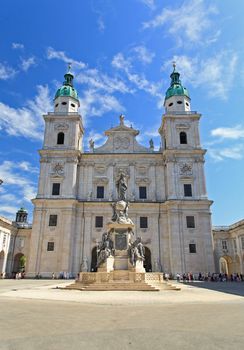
(67, 89)
(175, 87)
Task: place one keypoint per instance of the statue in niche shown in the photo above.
(121, 186)
(104, 249)
(136, 251)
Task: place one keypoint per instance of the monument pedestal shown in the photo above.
(107, 266)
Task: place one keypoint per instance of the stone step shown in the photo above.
(113, 286)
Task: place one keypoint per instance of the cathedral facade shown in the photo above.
(166, 191)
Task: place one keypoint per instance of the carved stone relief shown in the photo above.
(185, 169)
(183, 126)
(61, 126)
(122, 169)
(58, 170)
(121, 142)
(100, 170)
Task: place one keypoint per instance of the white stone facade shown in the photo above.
(166, 191)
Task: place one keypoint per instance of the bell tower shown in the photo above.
(52, 240)
(189, 216)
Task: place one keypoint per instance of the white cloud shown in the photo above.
(95, 104)
(16, 180)
(6, 72)
(100, 81)
(143, 54)
(234, 152)
(101, 25)
(60, 55)
(9, 211)
(26, 121)
(26, 166)
(216, 74)
(186, 23)
(234, 133)
(99, 139)
(27, 63)
(149, 3)
(17, 46)
(154, 89)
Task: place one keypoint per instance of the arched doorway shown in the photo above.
(19, 264)
(1, 261)
(147, 262)
(94, 260)
(226, 265)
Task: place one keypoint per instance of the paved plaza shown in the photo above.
(38, 314)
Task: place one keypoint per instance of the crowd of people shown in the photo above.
(206, 277)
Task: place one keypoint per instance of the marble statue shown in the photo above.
(104, 249)
(121, 186)
(136, 251)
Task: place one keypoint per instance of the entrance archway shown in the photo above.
(17, 262)
(226, 265)
(147, 262)
(1, 261)
(94, 260)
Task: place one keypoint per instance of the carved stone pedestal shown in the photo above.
(107, 266)
(138, 267)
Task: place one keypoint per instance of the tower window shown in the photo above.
(179, 102)
(60, 138)
(100, 191)
(187, 190)
(53, 219)
(142, 192)
(50, 246)
(190, 222)
(56, 105)
(143, 222)
(72, 105)
(183, 138)
(170, 104)
(192, 248)
(64, 103)
(56, 189)
(99, 221)
(187, 103)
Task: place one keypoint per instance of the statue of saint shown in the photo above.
(121, 185)
(91, 144)
(104, 249)
(122, 119)
(136, 251)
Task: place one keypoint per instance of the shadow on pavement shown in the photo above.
(236, 288)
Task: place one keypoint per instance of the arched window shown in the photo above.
(183, 138)
(60, 138)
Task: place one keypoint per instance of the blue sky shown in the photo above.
(121, 53)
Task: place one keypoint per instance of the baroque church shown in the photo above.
(166, 192)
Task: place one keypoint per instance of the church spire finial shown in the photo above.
(174, 65)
